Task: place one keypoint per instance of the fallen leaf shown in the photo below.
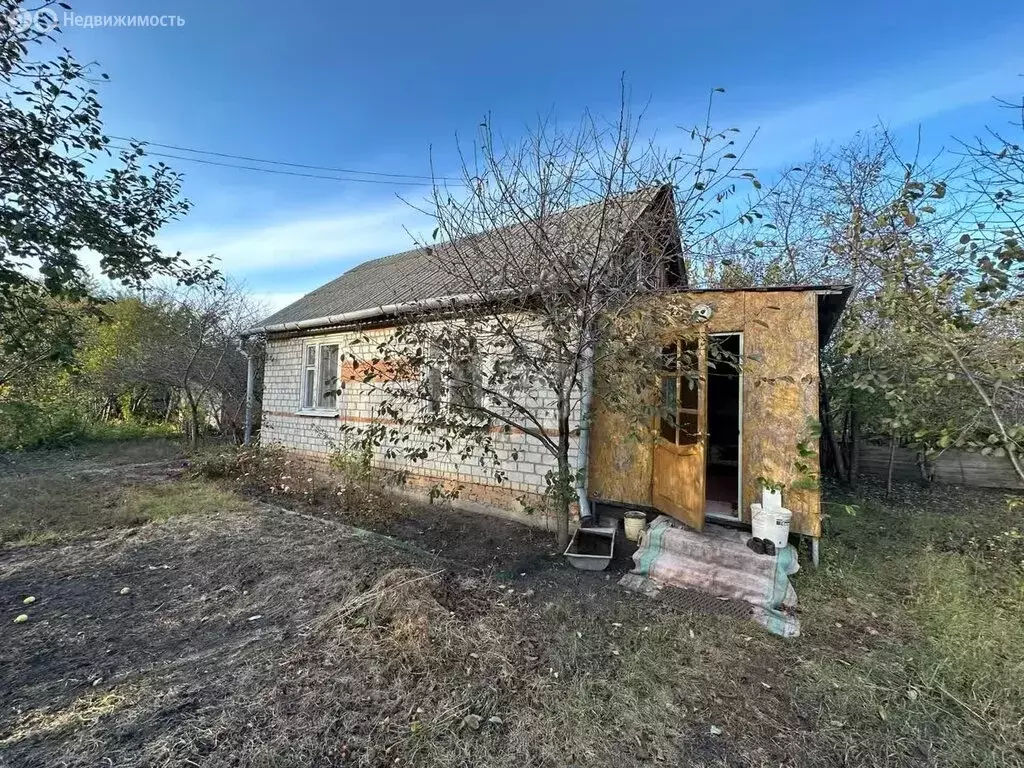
(257, 617)
(495, 720)
(124, 591)
(716, 731)
(29, 600)
(21, 618)
(473, 721)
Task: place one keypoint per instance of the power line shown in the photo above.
(286, 163)
(280, 172)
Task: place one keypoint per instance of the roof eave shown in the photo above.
(375, 313)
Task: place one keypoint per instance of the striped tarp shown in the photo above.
(717, 562)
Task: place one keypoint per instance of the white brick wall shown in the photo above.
(283, 425)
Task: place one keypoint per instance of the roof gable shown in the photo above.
(434, 272)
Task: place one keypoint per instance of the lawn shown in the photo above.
(263, 618)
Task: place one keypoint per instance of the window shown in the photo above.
(454, 379)
(680, 394)
(320, 377)
(464, 388)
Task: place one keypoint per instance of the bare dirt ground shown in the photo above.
(176, 623)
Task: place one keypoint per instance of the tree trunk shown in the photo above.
(193, 412)
(172, 398)
(924, 466)
(565, 487)
(827, 432)
(854, 447)
(892, 462)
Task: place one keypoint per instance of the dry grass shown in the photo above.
(916, 629)
(266, 639)
(49, 496)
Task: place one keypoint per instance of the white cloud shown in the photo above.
(789, 134)
(341, 233)
(273, 301)
(922, 89)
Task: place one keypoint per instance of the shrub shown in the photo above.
(26, 426)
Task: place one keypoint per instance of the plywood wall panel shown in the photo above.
(621, 457)
(780, 394)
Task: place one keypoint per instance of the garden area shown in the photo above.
(237, 608)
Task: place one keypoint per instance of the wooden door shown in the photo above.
(681, 428)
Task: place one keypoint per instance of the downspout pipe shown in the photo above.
(586, 513)
(250, 389)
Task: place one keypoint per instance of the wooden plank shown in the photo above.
(953, 466)
(621, 457)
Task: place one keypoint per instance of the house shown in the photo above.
(730, 427)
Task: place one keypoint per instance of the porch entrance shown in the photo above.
(697, 452)
(678, 478)
(725, 426)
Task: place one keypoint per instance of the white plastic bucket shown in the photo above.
(635, 523)
(771, 500)
(771, 525)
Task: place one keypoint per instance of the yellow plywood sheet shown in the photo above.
(780, 394)
(621, 457)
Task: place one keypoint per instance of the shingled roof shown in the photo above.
(423, 274)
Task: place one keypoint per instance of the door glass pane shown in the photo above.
(689, 365)
(668, 408)
(689, 432)
(669, 358)
(311, 356)
(688, 392)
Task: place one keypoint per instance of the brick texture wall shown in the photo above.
(285, 425)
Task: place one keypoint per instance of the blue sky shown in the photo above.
(376, 85)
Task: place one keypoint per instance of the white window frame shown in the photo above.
(317, 409)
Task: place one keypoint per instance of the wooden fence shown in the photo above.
(957, 467)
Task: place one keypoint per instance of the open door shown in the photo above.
(680, 447)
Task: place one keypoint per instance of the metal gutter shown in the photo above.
(442, 302)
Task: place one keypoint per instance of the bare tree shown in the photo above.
(550, 256)
(182, 339)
